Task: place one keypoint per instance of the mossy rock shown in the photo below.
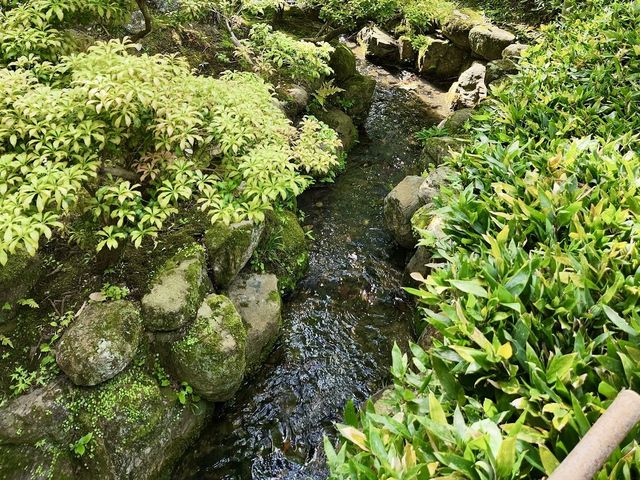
(458, 25)
(283, 250)
(177, 290)
(17, 277)
(455, 122)
(437, 149)
(498, 69)
(489, 41)
(44, 462)
(139, 428)
(343, 63)
(342, 124)
(441, 59)
(211, 355)
(357, 97)
(100, 343)
(229, 248)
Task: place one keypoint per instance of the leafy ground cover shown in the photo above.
(535, 307)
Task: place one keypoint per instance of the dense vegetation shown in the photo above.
(119, 140)
(535, 304)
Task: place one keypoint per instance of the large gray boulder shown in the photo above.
(229, 248)
(458, 25)
(470, 88)
(296, 99)
(177, 290)
(399, 206)
(489, 41)
(257, 299)
(342, 124)
(379, 45)
(211, 355)
(441, 59)
(100, 343)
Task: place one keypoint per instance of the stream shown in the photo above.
(342, 321)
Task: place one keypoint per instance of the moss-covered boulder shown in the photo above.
(342, 124)
(257, 299)
(283, 250)
(295, 99)
(229, 248)
(357, 97)
(437, 149)
(100, 343)
(498, 69)
(455, 122)
(138, 429)
(17, 277)
(514, 51)
(488, 41)
(457, 26)
(441, 59)
(177, 290)
(343, 63)
(211, 355)
(434, 181)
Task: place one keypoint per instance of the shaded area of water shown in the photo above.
(339, 326)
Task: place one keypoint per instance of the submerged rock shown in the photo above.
(100, 343)
(470, 88)
(229, 248)
(441, 59)
(489, 41)
(257, 299)
(342, 124)
(399, 206)
(211, 355)
(177, 290)
(379, 45)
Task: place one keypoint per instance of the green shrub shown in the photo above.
(128, 138)
(535, 308)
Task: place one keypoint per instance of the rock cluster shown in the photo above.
(464, 46)
(188, 334)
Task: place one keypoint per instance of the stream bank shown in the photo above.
(342, 321)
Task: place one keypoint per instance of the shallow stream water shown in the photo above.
(341, 323)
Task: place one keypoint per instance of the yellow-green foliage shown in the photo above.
(33, 27)
(222, 142)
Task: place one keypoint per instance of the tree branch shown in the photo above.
(148, 20)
